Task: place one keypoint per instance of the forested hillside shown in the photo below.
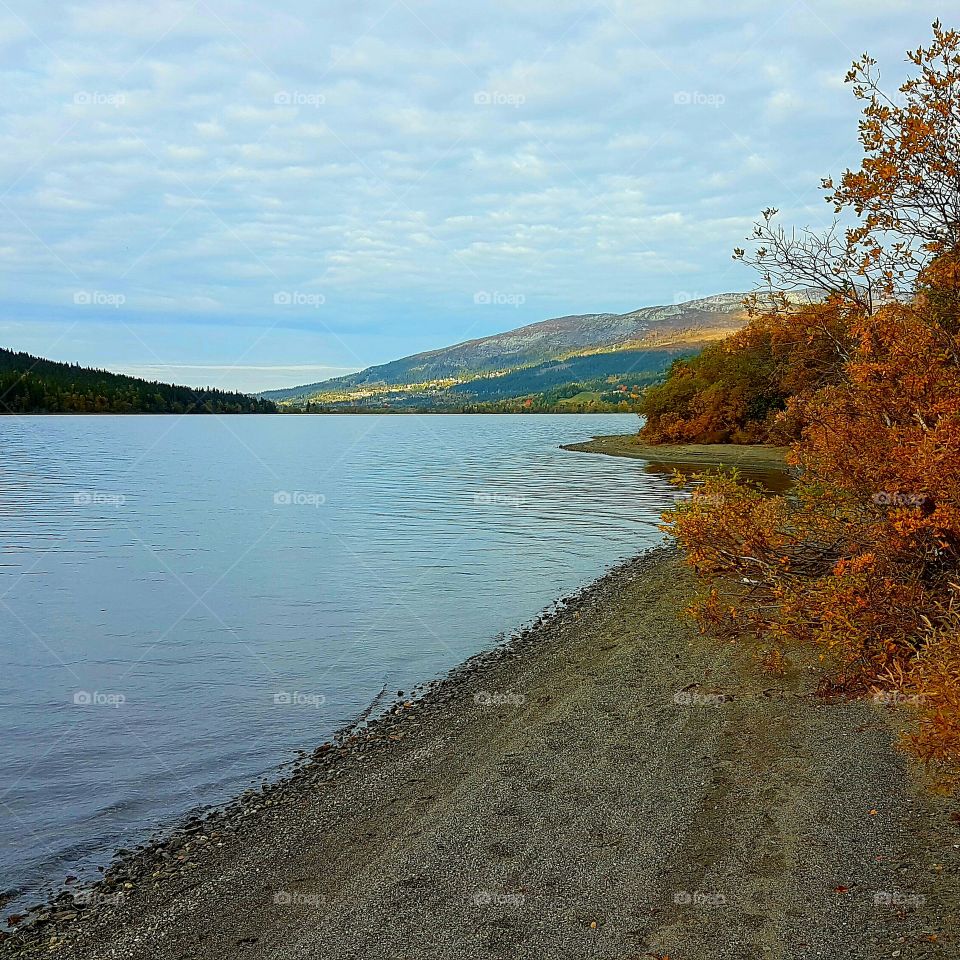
(749, 388)
(524, 363)
(595, 383)
(30, 384)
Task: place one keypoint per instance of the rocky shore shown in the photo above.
(606, 784)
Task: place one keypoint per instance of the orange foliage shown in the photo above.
(750, 387)
(862, 558)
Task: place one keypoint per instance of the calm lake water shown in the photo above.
(186, 602)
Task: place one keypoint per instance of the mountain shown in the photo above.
(603, 353)
(31, 384)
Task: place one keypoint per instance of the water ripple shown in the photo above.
(185, 603)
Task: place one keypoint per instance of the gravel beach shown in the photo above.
(757, 456)
(608, 784)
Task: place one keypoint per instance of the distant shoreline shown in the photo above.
(430, 411)
(366, 411)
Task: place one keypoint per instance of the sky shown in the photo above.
(255, 195)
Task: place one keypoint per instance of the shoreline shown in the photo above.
(291, 776)
(761, 464)
(747, 456)
(604, 783)
(353, 411)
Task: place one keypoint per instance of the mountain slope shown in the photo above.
(648, 338)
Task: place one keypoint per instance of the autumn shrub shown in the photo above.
(740, 389)
(860, 560)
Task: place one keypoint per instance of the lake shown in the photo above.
(186, 602)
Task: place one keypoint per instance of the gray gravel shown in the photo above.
(608, 785)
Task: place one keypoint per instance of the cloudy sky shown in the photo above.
(260, 194)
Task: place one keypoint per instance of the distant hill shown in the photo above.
(30, 384)
(598, 357)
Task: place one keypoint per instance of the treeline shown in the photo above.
(748, 387)
(861, 560)
(604, 395)
(472, 409)
(620, 393)
(605, 382)
(30, 384)
(594, 371)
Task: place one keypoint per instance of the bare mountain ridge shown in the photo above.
(691, 322)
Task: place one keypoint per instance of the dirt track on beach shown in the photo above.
(609, 785)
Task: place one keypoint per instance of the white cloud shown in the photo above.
(399, 158)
